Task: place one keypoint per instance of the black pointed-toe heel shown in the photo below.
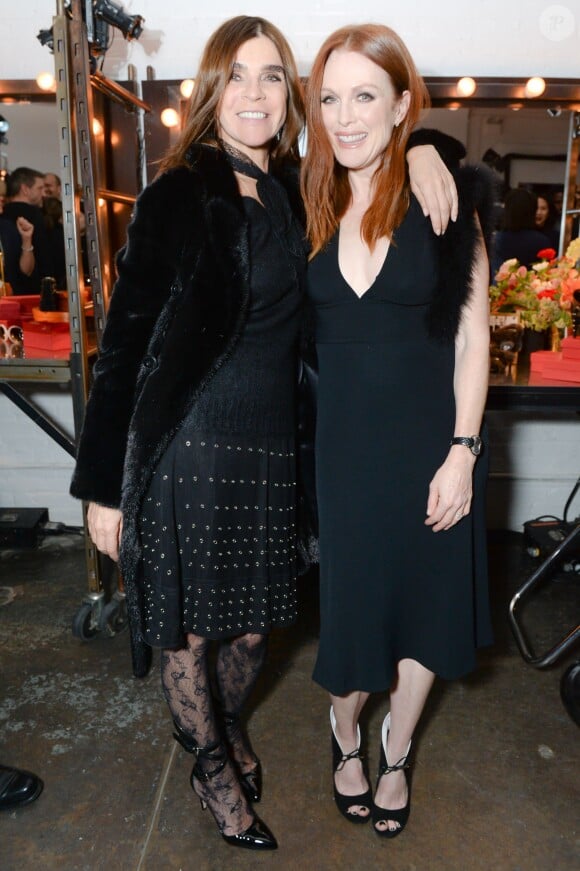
(257, 836)
(383, 815)
(345, 802)
(251, 781)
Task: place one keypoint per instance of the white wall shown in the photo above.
(534, 461)
(477, 37)
(32, 138)
(34, 471)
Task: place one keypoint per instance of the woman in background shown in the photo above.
(519, 236)
(545, 221)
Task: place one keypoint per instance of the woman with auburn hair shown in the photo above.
(187, 454)
(401, 333)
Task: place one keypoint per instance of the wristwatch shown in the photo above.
(474, 443)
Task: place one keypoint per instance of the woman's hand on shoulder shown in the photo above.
(433, 185)
(451, 489)
(105, 528)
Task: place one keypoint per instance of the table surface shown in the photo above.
(522, 390)
(517, 390)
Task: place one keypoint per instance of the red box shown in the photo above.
(571, 348)
(46, 337)
(27, 302)
(9, 311)
(562, 369)
(17, 310)
(539, 358)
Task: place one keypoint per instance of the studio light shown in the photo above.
(535, 87)
(104, 13)
(186, 88)
(466, 86)
(169, 118)
(45, 81)
(45, 37)
(131, 26)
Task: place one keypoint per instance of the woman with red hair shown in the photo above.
(401, 325)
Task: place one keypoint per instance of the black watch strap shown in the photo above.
(471, 442)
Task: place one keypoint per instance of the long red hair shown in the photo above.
(215, 69)
(325, 185)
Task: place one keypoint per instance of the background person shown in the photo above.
(519, 236)
(18, 788)
(52, 185)
(25, 188)
(545, 221)
(16, 243)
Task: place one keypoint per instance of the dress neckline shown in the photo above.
(347, 284)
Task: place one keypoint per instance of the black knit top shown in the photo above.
(253, 391)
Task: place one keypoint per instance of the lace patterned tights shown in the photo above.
(187, 689)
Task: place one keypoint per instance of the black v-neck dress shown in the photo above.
(390, 587)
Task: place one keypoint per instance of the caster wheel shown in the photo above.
(570, 691)
(534, 552)
(113, 617)
(83, 625)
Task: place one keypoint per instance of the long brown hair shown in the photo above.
(214, 73)
(325, 185)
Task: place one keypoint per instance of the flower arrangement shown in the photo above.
(543, 295)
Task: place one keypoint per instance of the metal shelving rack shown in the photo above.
(82, 179)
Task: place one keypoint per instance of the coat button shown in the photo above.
(175, 288)
(150, 362)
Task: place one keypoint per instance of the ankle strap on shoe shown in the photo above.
(208, 753)
(401, 765)
(354, 754)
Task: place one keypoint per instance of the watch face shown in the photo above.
(476, 446)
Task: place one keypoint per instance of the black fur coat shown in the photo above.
(177, 310)
(457, 248)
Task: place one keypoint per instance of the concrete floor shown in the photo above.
(496, 774)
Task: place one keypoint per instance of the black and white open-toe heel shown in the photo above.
(257, 836)
(382, 815)
(347, 804)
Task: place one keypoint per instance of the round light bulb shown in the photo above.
(535, 86)
(186, 88)
(45, 81)
(466, 86)
(170, 118)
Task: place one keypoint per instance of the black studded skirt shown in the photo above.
(218, 537)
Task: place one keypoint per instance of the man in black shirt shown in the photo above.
(25, 191)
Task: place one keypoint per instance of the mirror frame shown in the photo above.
(24, 91)
(443, 91)
(503, 92)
